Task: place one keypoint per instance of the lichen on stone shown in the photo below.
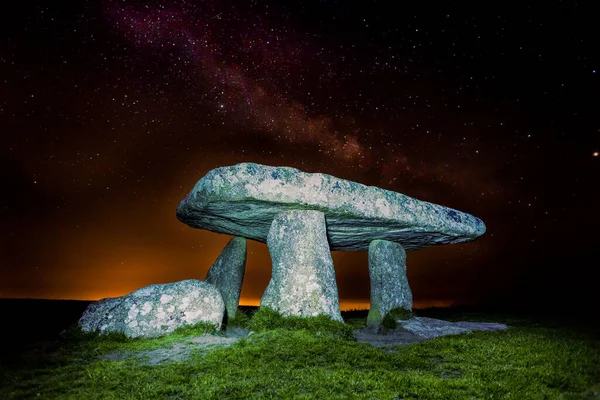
(303, 279)
(243, 199)
(144, 313)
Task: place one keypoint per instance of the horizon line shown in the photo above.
(345, 305)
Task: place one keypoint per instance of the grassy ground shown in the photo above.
(316, 358)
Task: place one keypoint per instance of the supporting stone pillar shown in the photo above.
(303, 279)
(389, 284)
(227, 273)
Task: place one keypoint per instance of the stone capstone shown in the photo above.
(389, 284)
(303, 279)
(242, 200)
(227, 273)
(156, 310)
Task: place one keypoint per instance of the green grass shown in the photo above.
(75, 340)
(313, 358)
(395, 314)
(240, 320)
(266, 319)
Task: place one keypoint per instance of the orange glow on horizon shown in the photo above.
(93, 258)
(345, 305)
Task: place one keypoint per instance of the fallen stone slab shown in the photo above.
(156, 310)
(176, 352)
(419, 329)
(377, 338)
(481, 326)
(429, 328)
(243, 199)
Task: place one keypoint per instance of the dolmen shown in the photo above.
(302, 217)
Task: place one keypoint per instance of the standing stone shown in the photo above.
(227, 273)
(389, 284)
(303, 279)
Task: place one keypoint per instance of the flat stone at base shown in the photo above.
(227, 273)
(481, 326)
(381, 338)
(389, 284)
(429, 328)
(418, 329)
(303, 279)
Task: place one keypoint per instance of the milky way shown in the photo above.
(110, 112)
(247, 68)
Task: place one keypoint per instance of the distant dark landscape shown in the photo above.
(38, 320)
(32, 320)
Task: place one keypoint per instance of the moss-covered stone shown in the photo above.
(240, 320)
(390, 321)
(400, 314)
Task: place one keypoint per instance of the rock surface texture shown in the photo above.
(156, 310)
(303, 279)
(429, 328)
(242, 200)
(389, 284)
(418, 329)
(227, 273)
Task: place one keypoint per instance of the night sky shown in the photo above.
(110, 111)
